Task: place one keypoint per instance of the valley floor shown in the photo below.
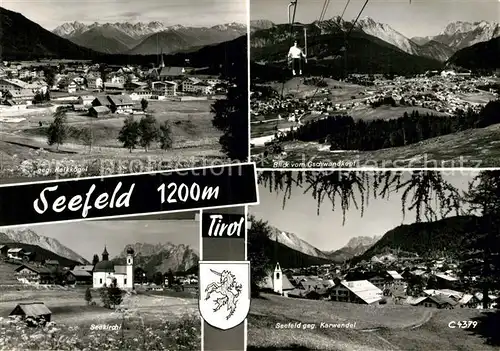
(377, 328)
(24, 152)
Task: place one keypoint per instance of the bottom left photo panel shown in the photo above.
(121, 284)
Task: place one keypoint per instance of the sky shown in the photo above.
(420, 18)
(325, 231)
(52, 13)
(89, 237)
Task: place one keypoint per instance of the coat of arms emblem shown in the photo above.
(224, 292)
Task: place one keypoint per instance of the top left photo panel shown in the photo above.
(94, 88)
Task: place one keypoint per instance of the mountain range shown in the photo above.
(146, 38)
(426, 238)
(455, 36)
(151, 257)
(356, 246)
(28, 236)
(161, 257)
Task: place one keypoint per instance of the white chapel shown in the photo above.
(105, 272)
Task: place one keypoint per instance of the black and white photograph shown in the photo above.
(375, 261)
(91, 88)
(119, 284)
(374, 83)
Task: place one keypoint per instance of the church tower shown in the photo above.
(162, 63)
(105, 255)
(129, 280)
(278, 279)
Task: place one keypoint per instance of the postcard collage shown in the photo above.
(232, 175)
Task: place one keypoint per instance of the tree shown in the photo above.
(87, 137)
(144, 104)
(158, 278)
(56, 134)
(165, 136)
(258, 240)
(231, 117)
(129, 134)
(114, 294)
(106, 302)
(95, 259)
(482, 252)
(170, 278)
(88, 296)
(148, 131)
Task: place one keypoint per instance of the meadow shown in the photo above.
(376, 327)
(145, 322)
(24, 151)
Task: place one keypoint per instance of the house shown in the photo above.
(360, 291)
(86, 100)
(12, 84)
(79, 108)
(99, 111)
(87, 268)
(165, 88)
(19, 97)
(202, 88)
(277, 282)
(445, 281)
(469, 301)
(395, 280)
(106, 273)
(436, 301)
(121, 103)
(15, 253)
(94, 82)
(101, 101)
(32, 274)
(72, 87)
(170, 73)
(188, 84)
(51, 263)
(79, 277)
(35, 313)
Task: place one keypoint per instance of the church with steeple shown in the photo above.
(277, 281)
(106, 273)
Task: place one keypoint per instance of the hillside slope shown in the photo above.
(21, 38)
(27, 236)
(427, 238)
(485, 55)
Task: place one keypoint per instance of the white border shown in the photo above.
(202, 321)
(177, 170)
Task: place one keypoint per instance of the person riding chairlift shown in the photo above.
(296, 55)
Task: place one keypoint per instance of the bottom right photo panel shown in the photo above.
(362, 260)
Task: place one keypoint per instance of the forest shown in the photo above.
(345, 133)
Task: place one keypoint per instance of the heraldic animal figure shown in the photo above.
(228, 288)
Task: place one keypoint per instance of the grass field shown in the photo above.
(470, 148)
(195, 140)
(387, 327)
(147, 322)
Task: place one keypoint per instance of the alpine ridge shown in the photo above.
(28, 236)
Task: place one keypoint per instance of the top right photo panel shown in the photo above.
(375, 83)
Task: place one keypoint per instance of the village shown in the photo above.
(31, 269)
(385, 280)
(93, 103)
(443, 92)
(100, 89)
